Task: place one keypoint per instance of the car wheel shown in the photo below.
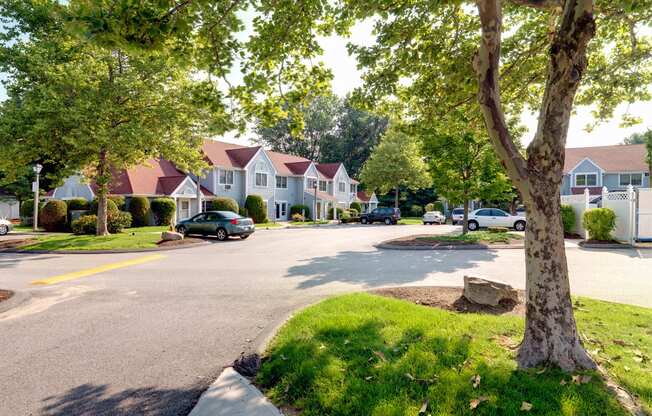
(245, 236)
(473, 225)
(388, 221)
(182, 230)
(363, 220)
(519, 226)
(221, 234)
(4, 229)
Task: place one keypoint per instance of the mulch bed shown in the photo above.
(15, 243)
(5, 294)
(451, 299)
(422, 240)
(602, 242)
(175, 243)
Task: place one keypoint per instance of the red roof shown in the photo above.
(328, 169)
(227, 155)
(618, 158)
(288, 164)
(362, 196)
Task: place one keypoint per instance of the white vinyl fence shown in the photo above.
(633, 210)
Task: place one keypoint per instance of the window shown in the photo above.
(341, 187)
(586, 179)
(484, 213)
(498, 213)
(261, 179)
(634, 179)
(282, 182)
(226, 177)
(211, 217)
(352, 187)
(310, 183)
(323, 186)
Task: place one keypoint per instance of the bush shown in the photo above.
(119, 201)
(435, 206)
(416, 211)
(85, 224)
(243, 212)
(54, 215)
(330, 213)
(356, 206)
(353, 212)
(300, 209)
(256, 209)
(599, 222)
(298, 217)
(139, 208)
(163, 209)
(568, 218)
(27, 208)
(225, 204)
(110, 206)
(77, 204)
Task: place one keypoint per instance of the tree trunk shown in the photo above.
(396, 197)
(550, 331)
(465, 219)
(102, 181)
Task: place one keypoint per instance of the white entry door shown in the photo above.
(184, 209)
(281, 210)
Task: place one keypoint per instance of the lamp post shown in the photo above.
(35, 185)
(314, 219)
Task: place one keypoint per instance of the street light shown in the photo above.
(315, 210)
(35, 185)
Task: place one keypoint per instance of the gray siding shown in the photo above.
(267, 193)
(565, 185)
(73, 188)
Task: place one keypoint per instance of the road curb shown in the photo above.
(388, 246)
(17, 299)
(115, 251)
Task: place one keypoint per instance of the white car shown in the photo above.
(432, 217)
(493, 217)
(457, 215)
(5, 226)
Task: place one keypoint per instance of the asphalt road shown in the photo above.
(147, 339)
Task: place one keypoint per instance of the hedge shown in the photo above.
(256, 209)
(435, 206)
(356, 206)
(110, 206)
(139, 208)
(300, 209)
(119, 201)
(599, 222)
(163, 209)
(53, 216)
(77, 204)
(416, 211)
(225, 204)
(568, 218)
(27, 208)
(116, 222)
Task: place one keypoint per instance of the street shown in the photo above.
(148, 336)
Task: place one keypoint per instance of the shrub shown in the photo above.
(298, 217)
(27, 208)
(77, 204)
(243, 211)
(300, 209)
(163, 209)
(119, 201)
(330, 213)
(435, 206)
(599, 222)
(568, 218)
(416, 211)
(356, 206)
(118, 221)
(256, 209)
(225, 204)
(110, 206)
(53, 216)
(85, 224)
(139, 208)
(353, 212)
(430, 207)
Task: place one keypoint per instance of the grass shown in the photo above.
(271, 225)
(476, 237)
(23, 228)
(300, 223)
(362, 354)
(131, 238)
(410, 220)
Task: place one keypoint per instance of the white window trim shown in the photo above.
(339, 187)
(277, 182)
(287, 209)
(319, 186)
(598, 179)
(308, 179)
(630, 181)
(226, 171)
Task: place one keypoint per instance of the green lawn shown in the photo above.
(24, 228)
(271, 225)
(300, 223)
(410, 220)
(475, 237)
(362, 354)
(139, 237)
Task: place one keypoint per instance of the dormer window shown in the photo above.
(586, 179)
(261, 175)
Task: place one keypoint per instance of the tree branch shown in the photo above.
(487, 66)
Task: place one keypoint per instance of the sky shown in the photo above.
(346, 77)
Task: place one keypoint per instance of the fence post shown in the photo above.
(631, 197)
(587, 202)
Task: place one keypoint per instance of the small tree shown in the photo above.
(256, 209)
(356, 206)
(163, 209)
(225, 204)
(139, 208)
(395, 162)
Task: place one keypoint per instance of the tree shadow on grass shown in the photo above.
(384, 267)
(91, 399)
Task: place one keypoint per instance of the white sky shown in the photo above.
(346, 77)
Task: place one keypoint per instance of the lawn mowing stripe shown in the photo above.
(95, 270)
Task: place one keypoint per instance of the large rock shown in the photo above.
(171, 236)
(487, 291)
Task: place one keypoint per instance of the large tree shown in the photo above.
(396, 162)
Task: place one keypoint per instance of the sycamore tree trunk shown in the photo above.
(102, 181)
(465, 218)
(550, 331)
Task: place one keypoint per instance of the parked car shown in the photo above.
(494, 217)
(457, 215)
(386, 215)
(221, 224)
(5, 226)
(433, 217)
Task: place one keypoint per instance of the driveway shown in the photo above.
(149, 337)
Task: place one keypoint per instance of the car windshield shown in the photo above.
(229, 215)
(458, 211)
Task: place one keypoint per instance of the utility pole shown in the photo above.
(35, 187)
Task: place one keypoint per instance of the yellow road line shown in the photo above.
(99, 269)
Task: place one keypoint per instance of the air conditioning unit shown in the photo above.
(227, 187)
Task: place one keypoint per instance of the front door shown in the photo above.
(318, 214)
(184, 209)
(281, 210)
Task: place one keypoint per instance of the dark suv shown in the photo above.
(386, 215)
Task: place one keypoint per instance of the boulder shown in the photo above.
(171, 236)
(487, 291)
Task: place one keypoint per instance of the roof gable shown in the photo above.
(618, 158)
(329, 170)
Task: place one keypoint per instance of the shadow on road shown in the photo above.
(384, 267)
(90, 399)
(9, 260)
